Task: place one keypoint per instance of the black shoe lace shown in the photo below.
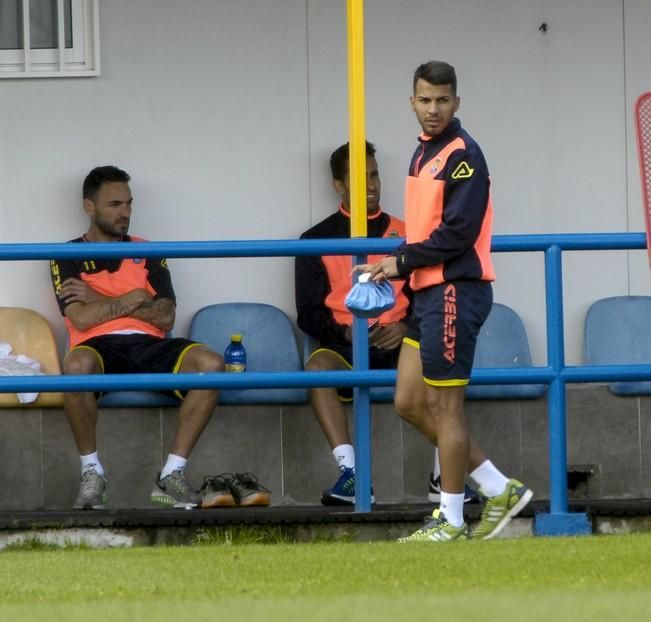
(249, 480)
(217, 481)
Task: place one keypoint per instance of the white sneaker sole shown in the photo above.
(88, 506)
(169, 502)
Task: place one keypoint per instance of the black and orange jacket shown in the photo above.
(322, 282)
(448, 212)
(114, 277)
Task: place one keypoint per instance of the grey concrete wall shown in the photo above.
(285, 448)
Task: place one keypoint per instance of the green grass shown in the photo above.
(597, 578)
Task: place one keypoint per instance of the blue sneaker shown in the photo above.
(470, 495)
(343, 492)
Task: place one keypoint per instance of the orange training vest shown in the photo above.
(424, 202)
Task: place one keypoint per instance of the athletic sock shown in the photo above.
(173, 463)
(452, 507)
(89, 461)
(436, 469)
(490, 479)
(344, 456)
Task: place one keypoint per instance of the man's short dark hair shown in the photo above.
(436, 72)
(101, 175)
(339, 160)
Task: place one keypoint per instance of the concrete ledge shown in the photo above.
(291, 515)
(124, 528)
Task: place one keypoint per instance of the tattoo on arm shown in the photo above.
(84, 316)
(160, 313)
(117, 309)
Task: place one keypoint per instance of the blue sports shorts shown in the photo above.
(447, 319)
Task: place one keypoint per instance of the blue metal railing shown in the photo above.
(556, 374)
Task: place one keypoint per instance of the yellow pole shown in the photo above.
(357, 166)
(356, 105)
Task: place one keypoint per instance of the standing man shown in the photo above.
(447, 253)
(321, 287)
(117, 312)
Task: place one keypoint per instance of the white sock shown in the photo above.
(490, 480)
(452, 507)
(436, 470)
(344, 456)
(91, 461)
(173, 463)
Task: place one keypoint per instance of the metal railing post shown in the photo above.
(558, 521)
(362, 414)
(556, 360)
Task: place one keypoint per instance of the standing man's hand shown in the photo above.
(386, 268)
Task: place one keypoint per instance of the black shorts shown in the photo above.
(447, 321)
(377, 359)
(139, 354)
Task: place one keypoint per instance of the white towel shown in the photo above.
(20, 365)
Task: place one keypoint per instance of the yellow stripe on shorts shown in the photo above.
(458, 382)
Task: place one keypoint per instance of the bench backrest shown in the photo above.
(269, 340)
(502, 342)
(617, 331)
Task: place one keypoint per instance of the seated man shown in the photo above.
(321, 287)
(117, 312)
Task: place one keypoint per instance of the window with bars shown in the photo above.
(49, 38)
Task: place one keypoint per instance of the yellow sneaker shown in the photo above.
(499, 510)
(437, 529)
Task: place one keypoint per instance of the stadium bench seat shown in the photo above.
(136, 399)
(29, 333)
(617, 331)
(269, 340)
(502, 342)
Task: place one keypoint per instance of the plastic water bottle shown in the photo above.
(235, 355)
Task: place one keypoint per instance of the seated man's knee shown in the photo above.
(203, 360)
(314, 364)
(324, 361)
(81, 362)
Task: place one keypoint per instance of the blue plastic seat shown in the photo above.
(503, 342)
(269, 340)
(617, 331)
(136, 399)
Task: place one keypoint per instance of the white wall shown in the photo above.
(205, 104)
(225, 114)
